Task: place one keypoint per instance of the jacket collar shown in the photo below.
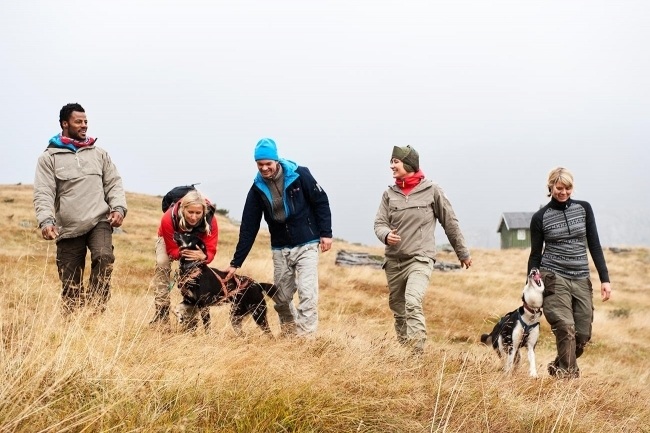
(554, 204)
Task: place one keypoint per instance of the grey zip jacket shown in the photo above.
(76, 190)
(414, 216)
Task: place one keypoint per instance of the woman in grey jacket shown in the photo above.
(405, 223)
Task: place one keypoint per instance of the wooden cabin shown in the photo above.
(514, 228)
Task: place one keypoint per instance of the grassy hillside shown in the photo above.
(113, 373)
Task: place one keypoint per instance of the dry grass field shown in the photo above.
(113, 373)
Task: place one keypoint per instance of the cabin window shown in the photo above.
(521, 235)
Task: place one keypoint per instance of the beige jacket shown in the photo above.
(414, 216)
(75, 191)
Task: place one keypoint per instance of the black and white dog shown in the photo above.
(520, 328)
(202, 286)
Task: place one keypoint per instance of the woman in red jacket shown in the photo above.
(192, 214)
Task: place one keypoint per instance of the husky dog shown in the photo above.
(520, 328)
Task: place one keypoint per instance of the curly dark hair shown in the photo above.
(66, 112)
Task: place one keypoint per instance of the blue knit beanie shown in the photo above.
(266, 149)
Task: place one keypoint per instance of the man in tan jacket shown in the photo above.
(78, 199)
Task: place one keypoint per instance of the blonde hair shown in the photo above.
(559, 175)
(190, 199)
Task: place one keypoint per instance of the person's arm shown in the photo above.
(166, 231)
(593, 242)
(596, 251)
(319, 202)
(250, 225)
(536, 242)
(45, 192)
(444, 212)
(113, 190)
(382, 226)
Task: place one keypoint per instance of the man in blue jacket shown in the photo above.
(297, 212)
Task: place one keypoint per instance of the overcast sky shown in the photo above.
(492, 94)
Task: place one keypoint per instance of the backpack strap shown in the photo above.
(174, 215)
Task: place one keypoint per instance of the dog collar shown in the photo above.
(532, 310)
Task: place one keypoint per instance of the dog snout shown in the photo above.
(536, 275)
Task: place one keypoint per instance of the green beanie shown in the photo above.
(408, 156)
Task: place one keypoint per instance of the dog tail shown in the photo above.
(486, 339)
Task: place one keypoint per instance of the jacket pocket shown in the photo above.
(71, 167)
(549, 283)
(69, 171)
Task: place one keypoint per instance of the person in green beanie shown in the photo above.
(405, 223)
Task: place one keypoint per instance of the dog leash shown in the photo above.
(172, 280)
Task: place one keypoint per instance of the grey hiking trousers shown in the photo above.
(296, 270)
(408, 280)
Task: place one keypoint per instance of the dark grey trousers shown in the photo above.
(71, 263)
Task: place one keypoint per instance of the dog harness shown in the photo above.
(527, 327)
(194, 273)
(224, 286)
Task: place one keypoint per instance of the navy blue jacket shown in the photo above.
(308, 216)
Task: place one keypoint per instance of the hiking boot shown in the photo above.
(559, 373)
(205, 318)
(416, 346)
(191, 325)
(161, 317)
(288, 329)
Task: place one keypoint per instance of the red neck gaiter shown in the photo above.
(407, 184)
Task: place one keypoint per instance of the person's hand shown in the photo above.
(393, 238)
(194, 255)
(115, 219)
(325, 244)
(50, 232)
(466, 263)
(605, 291)
(230, 272)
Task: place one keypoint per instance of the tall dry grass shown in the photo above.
(113, 373)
